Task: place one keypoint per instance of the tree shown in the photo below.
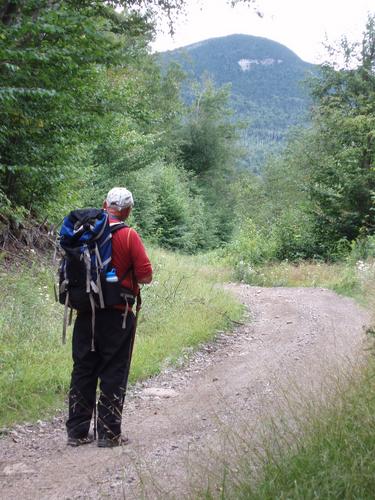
(342, 173)
(54, 63)
(60, 66)
(139, 126)
(208, 138)
(208, 147)
(318, 196)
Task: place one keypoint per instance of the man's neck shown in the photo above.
(115, 216)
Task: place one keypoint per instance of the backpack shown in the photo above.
(85, 239)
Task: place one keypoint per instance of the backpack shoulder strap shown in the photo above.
(115, 226)
(130, 270)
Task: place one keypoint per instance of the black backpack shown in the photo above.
(86, 242)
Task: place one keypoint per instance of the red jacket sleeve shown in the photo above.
(141, 263)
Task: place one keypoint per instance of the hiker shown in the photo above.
(104, 352)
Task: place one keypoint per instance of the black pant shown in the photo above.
(109, 364)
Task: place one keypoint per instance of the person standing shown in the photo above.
(113, 337)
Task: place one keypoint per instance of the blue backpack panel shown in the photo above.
(85, 238)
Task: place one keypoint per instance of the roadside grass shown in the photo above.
(331, 452)
(182, 308)
(331, 457)
(34, 366)
(354, 279)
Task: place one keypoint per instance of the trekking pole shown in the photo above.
(95, 424)
(137, 310)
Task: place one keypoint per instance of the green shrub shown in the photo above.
(362, 249)
(250, 247)
(163, 206)
(170, 210)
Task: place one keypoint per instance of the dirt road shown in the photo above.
(184, 423)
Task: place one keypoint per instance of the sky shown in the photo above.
(300, 25)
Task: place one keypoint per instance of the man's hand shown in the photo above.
(146, 280)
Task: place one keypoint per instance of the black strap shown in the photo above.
(114, 228)
(118, 225)
(125, 274)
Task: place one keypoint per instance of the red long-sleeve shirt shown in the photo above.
(128, 252)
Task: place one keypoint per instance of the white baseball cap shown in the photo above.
(119, 197)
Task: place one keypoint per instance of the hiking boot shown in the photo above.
(72, 441)
(111, 443)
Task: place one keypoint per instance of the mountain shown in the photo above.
(266, 80)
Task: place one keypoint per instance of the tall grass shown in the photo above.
(331, 454)
(333, 458)
(182, 308)
(34, 366)
(354, 279)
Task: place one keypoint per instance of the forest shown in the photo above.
(85, 105)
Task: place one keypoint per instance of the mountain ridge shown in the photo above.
(266, 85)
(236, 36)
